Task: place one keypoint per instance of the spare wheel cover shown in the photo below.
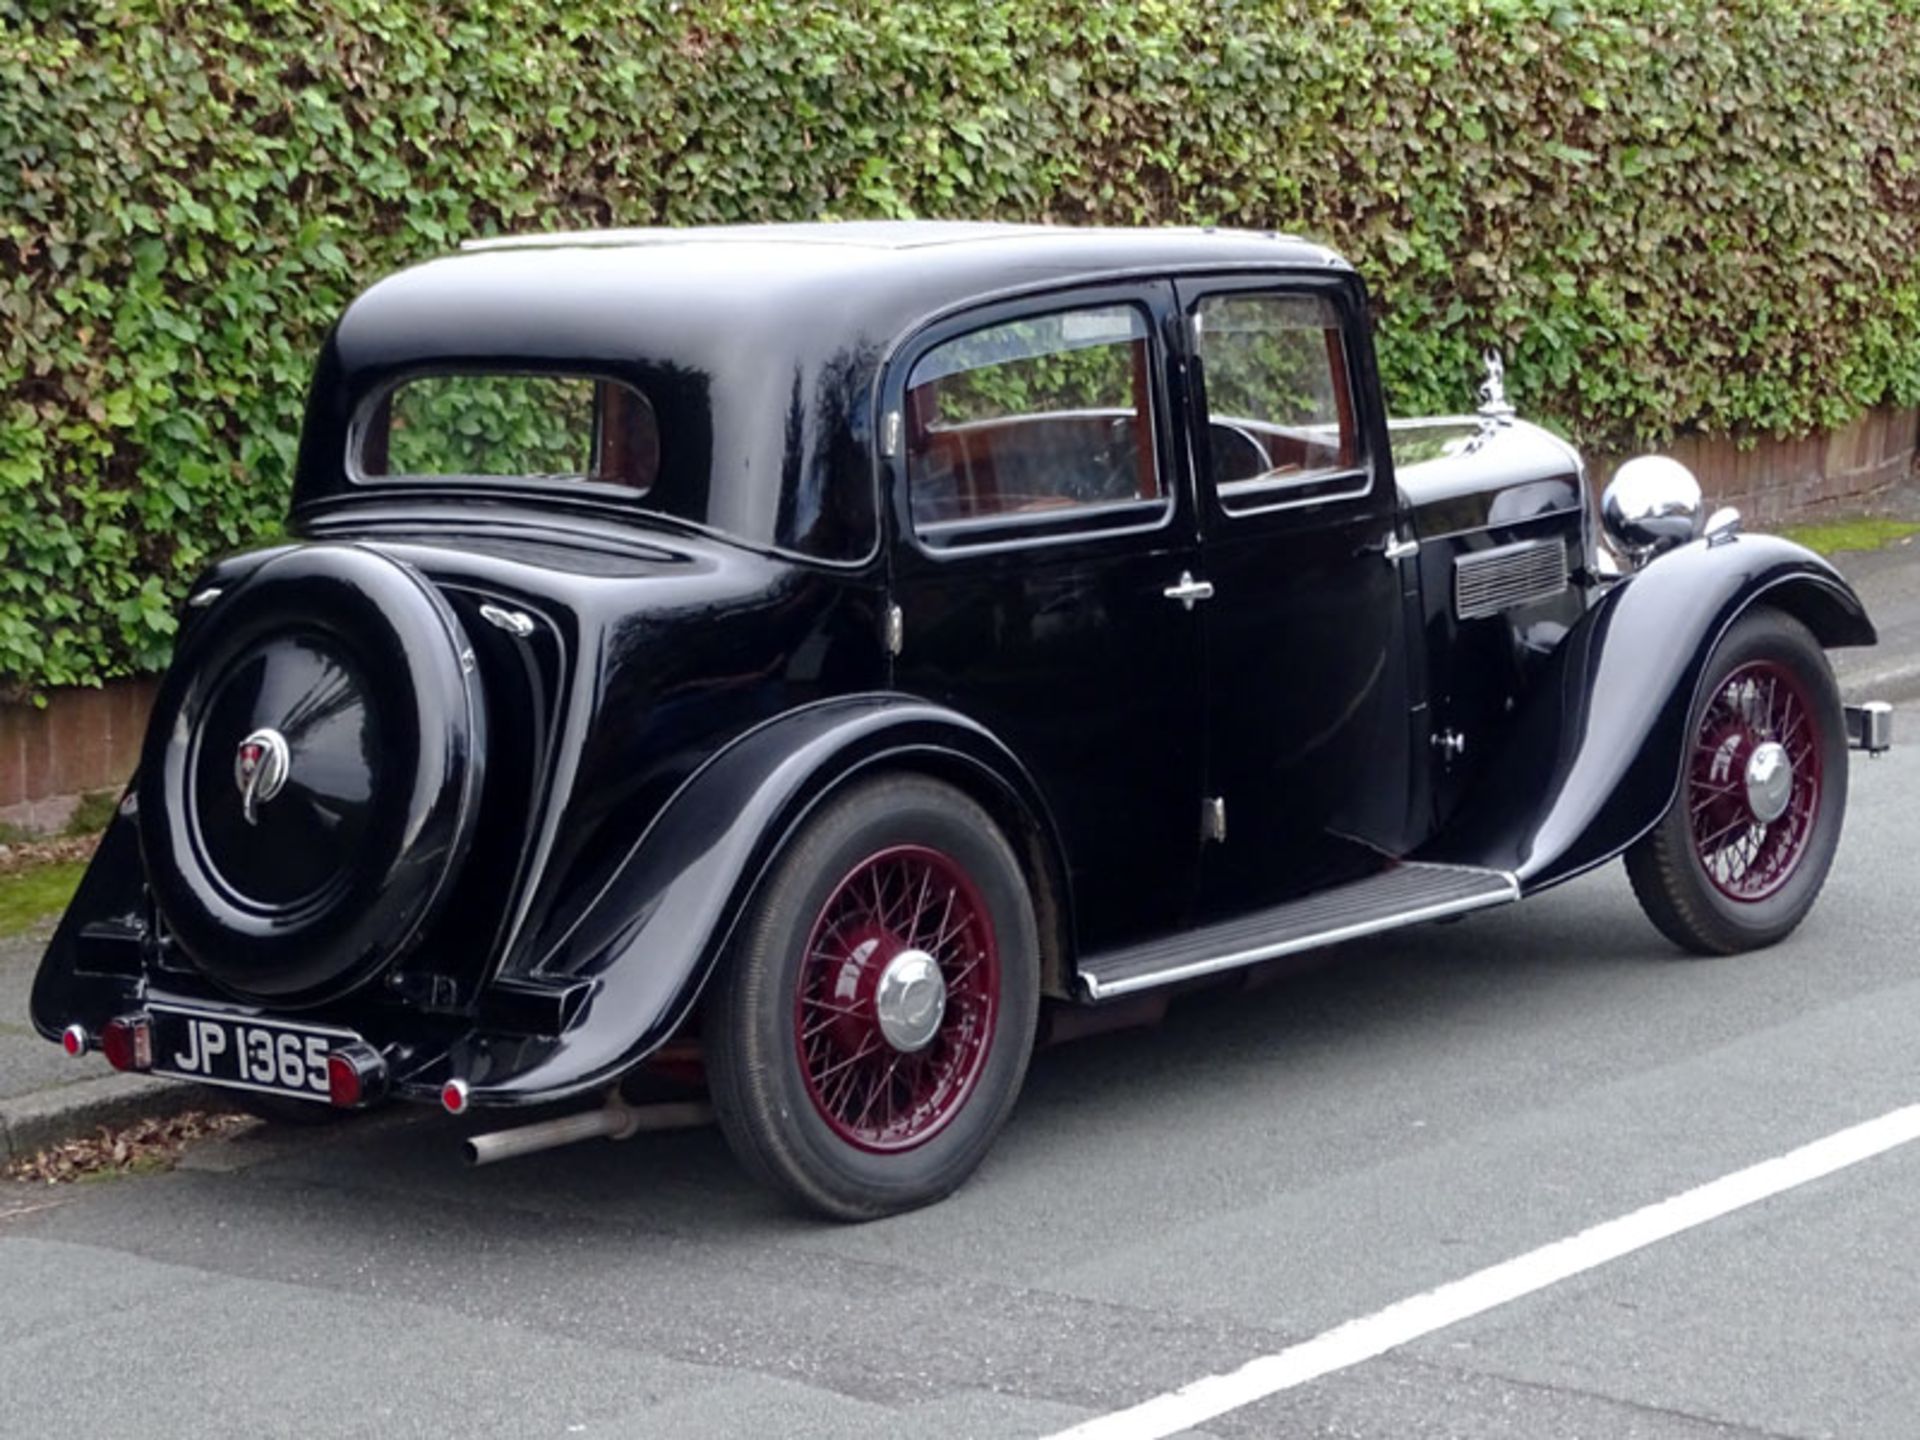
(311, 773)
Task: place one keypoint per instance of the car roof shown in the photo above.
(778, 329)
(1057, 241)
(605, 291)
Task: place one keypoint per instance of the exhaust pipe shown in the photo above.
(616, 1120)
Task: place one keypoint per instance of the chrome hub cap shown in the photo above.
(910, 1000)
(1769, 782)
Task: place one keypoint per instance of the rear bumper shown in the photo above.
(398, 1052)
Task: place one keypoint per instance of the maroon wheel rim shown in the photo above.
(1746, 854)
(909, 901)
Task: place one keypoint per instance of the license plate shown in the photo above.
(244, 1052)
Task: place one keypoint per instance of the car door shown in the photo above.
(1306, 687)
(1040, 523)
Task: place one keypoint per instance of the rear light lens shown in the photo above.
(453, 1095)
(356, 1076)
(128, 1043)
(75, 1040)
(343, 1081)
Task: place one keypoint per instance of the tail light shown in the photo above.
(356, 1076)
(128, 1042)
(75, 1040)
(453, 1095)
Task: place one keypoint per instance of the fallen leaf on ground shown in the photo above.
(25, 854)
(144, 1146)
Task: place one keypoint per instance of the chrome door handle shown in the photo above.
(1189, 590)
(1397, 549)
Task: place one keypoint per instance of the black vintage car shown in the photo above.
(826, 652)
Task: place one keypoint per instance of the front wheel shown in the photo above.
(872, 1027)
(1741, 855)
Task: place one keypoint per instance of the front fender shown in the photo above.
(1595, 755)
(645, 947)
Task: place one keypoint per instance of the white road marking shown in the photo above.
(1411, 1319)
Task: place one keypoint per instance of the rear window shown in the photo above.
(513, 427)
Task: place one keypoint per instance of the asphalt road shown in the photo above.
(1166, 1205)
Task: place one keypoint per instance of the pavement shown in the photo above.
(46, 1097)
(1888, 581)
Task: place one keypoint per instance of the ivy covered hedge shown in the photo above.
(1669, 213)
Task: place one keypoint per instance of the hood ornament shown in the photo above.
(1496, 411)
(260, 768)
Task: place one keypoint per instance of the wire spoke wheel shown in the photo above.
(1742, 852)
(897, 998)
(1754, 781)
(868, 1037)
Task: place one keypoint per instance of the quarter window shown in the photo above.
(1280, 421)
(1025, 424)
(513, 426)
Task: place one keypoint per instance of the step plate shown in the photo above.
(1405, 895)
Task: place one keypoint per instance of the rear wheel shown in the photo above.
(873, 1025)
(1739, 859)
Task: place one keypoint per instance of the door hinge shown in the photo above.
(896, 629)
(1213, 818)
(1451, 744)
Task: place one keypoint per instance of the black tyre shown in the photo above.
(1740, 857)
(870, 1031)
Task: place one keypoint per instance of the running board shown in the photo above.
(1405, 895)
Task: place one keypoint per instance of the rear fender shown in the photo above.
(644, 949)
(1595, 755)
(92, 967)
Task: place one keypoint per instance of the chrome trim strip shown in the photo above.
(1094, 990)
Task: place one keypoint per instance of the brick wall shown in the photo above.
(1779, 482)
(82, 740)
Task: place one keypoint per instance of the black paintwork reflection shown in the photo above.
(1077, 661)
(1459, 476)
(680, 891)
(1307, 686)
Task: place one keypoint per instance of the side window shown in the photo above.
(1280, 421)
(1036, 420)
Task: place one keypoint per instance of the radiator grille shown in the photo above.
(1494, 580)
